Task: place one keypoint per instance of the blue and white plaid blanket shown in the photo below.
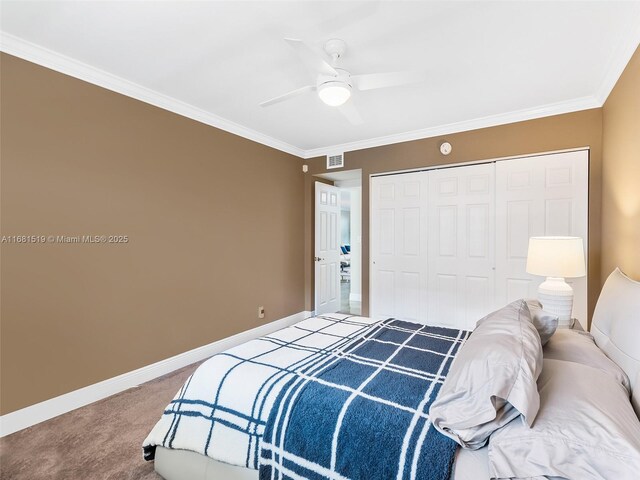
(222, 409)
(363, 414)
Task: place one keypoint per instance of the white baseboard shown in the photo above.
(355, 297)
(28, 416)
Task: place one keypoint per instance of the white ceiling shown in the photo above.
(487, 62)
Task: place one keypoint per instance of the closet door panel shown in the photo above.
(399, 246)
(543, 195)
(449, 246)
(461, 238)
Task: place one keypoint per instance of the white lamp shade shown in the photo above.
(334, 93)
(556, 257)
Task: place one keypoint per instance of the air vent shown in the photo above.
(335, 161)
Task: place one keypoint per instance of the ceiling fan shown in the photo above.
(334, 84)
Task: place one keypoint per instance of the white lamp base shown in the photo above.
(556, 297)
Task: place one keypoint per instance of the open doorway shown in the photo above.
(348, 185)
(350, 295)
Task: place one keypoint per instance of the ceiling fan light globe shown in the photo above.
(334, 94)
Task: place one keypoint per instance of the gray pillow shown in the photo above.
(493, 378)
(579, 347)
(546, 323)
(585, 429)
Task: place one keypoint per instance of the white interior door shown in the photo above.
(327, 248)
(542, 195)
(399, 246)
(461, 245)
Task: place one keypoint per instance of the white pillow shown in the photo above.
(492, 380)
(616, 327)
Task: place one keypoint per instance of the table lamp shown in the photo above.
(556, 258)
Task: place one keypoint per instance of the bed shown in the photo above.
(615, 334)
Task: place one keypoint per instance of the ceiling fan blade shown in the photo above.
(315, 61)
(351, 113)
(372, 81)
(287, 96)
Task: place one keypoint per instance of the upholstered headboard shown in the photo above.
(616, 327)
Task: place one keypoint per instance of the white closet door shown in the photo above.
(461, 245)
(399, 246)
(543, 195)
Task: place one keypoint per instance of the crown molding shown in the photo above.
(61, 63)
(584, 103)
(47, 58)
(619, 60)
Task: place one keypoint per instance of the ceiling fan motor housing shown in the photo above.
(335, 48)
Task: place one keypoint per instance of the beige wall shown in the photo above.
(621, 174)
(581, 129)
(215, 224)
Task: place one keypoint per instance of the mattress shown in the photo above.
(186, 465)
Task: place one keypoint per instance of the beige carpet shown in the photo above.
(100, 441)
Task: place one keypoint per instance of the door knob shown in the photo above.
(318, 259)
